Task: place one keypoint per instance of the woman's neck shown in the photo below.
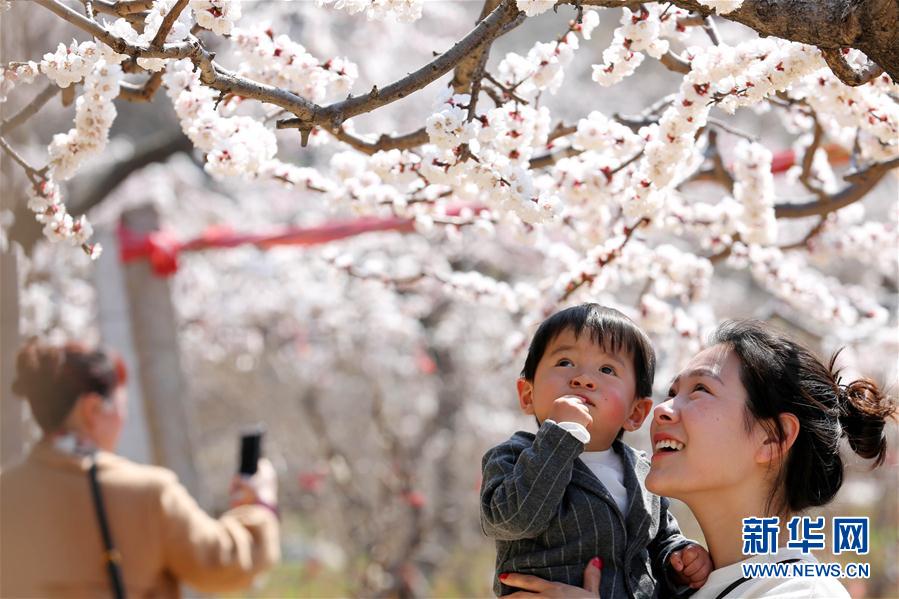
(720, 515)
(72, 442)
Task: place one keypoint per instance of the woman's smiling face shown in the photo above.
(700, 437)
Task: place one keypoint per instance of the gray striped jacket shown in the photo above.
(550, 515)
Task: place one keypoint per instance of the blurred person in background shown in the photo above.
(76, 520)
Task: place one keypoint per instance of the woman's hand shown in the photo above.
(261, 488)
(535, 587)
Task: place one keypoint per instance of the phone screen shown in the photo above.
(250, 450)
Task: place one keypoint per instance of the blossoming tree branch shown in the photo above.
(609, 199)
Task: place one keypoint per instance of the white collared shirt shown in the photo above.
(817, 587)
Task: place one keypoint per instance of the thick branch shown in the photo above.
(860, 184)
(122, 8)
(144, 93)
(462, 76)
(675, 63)
(847, 73)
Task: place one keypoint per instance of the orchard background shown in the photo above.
(345, 219)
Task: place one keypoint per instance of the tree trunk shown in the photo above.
(162, 382)
(114, 321)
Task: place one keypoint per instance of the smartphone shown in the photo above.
(250, 449)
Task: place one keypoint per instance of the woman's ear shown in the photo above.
(771, 448)
(639, 411)
(87, 407)
(526, 395)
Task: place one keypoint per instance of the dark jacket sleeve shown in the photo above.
(523, 482)
(668, 540)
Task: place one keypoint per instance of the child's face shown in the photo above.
(573, 365)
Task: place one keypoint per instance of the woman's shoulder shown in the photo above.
(116, 470)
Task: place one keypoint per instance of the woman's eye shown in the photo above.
(671, 392)
(702, 388)
(564, 362)
(607, 370)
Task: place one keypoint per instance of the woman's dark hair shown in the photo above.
(53, 378)
(781, 376)
(608, 328)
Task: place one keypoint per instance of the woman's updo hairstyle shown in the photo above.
(781, 376)
(53, 378)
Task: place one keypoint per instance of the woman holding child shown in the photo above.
(751, 428)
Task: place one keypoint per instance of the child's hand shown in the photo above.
(692, 565)
(571, 408)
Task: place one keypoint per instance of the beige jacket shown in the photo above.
(50, 543)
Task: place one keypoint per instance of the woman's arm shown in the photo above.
(211, 554)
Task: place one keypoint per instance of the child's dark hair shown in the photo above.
(781, 376)
(53, 378)
(608, 328)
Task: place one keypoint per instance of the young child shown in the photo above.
(574, 491)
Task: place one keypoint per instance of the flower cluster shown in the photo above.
(754, 189)
(216, 15)
(712, 225)
(869, 109)
(10, 75)
(599, 133)
(639, 32)
(594, 182)
(69, 64)
(239, 145)
(541, 69)
(279, 61)
(513, 133)
(864, 241)
(449, 128)
(475, 286)
(94, 114)
(532, 8)
(658, 317)
(675, 273)
(790, 278)
(729, 76)
(45, 200)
